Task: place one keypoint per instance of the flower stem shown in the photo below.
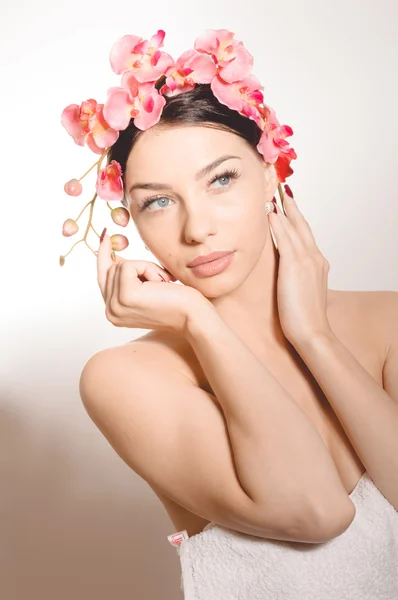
(90, 216)
(105, 152)
(83, 209)
(75, 244)
(85, 241)
(91, 204)
(86, 173)
(92, 227)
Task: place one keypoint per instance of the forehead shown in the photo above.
(166, 150)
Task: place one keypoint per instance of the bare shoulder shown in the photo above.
(362, 318)
(173, 350)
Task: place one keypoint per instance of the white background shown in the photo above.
(76, 522)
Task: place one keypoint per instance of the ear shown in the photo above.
(270, 180)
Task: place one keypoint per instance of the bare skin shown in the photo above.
(348, 316)
(200, 217)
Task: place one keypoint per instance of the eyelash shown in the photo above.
(231, 173)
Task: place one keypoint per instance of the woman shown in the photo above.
(250, 407)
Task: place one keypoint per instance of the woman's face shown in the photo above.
(181, 213)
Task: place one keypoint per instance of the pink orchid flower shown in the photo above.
(273, 145)
(191, 68)
(243, 96)
(233, 60)
(87, 125)
(140, 101)
(109, 184)
(142, 58)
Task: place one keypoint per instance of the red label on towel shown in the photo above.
(175, 539)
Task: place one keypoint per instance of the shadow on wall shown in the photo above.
(58, 542)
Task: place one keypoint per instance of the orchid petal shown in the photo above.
(130, 83)
(185, 57)
(141, 47)
(267, 147)
(180, 90)
(103, 134)
(148, 104)
(109, 184)
(149, 72)
(70, 119)
(226, 93)
(239, 67)
(283, 168)
(156, 40)
(204, 68)
(120, 56)
(145, 119)
(117, 109)
(209, 40)
(90, 143)
(170, 83)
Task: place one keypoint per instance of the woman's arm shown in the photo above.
(367, 412)
(278, 452)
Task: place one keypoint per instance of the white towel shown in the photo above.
(360, 564)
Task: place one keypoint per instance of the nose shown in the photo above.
(198, 222)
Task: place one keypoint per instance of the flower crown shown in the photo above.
(217, 59)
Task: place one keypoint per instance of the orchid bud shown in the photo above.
(70, 227)
(73, 187)
(120, 216)
(119, 242)
(62, 260)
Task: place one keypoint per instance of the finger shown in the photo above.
(168, 275)
(104, 262)
(164, 272)
(128, 277)
(301, 225)
(148, 270)
(287, 237)
(110, 284)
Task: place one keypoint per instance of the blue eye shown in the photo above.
(149, 201)
(228, 174)
(220, 177)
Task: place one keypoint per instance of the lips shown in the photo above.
(208, 258)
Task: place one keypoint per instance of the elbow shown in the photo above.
(333, 524)
(317, 526)
(310, 524)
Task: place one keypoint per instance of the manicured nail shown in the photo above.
(102, 235)
(288, 190)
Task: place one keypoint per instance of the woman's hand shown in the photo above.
(302, 276)
(135, 295)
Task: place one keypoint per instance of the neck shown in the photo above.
(251, 311)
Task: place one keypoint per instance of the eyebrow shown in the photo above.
(199, 175)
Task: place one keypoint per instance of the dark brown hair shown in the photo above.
(196, 107)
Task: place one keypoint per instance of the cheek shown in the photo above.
(252, 210)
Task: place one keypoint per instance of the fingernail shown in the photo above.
(102, 235)
(288, 190)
